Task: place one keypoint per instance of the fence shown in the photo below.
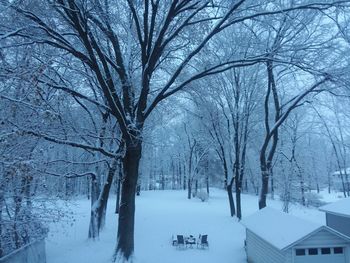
(31, 253)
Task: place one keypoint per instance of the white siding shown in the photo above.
(323, 238)
(260, 251)
(289, 255)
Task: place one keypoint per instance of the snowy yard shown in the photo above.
(159, 214)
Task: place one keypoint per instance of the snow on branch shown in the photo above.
(73, 144)
(68, 175)
(78, 163)
(75, 94)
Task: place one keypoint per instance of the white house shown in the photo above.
(338, 215)
(276, 237)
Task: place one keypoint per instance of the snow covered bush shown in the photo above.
(314, 199)
(203, 196)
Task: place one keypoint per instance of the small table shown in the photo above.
(190, 241)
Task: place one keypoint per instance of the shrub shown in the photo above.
(313, 199)
(203, 196)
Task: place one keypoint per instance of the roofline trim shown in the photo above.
(316, 231)
(334, 213)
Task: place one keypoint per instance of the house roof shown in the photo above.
(343, 171)
(341, 208)
(279, 229)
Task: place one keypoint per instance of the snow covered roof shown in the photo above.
(341, 208)
(343, 171)
(279, 229)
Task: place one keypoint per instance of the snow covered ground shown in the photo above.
(159, 215)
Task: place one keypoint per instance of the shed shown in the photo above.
(338, 215)
(276, 237)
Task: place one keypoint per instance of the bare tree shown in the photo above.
(124, 47)
(276, 111)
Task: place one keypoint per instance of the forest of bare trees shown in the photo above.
(103, 98)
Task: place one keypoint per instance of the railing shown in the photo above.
(30, 253)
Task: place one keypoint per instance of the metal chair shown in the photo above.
(173, 240)
(180, 241)
(203, 241)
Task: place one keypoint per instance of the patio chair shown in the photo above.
(203, 241)
(173, 240)
(180, 241)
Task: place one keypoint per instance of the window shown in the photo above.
(313, 251)
(317, 251)
(338, 250)
(325, 250)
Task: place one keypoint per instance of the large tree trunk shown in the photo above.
(99, 206)
(119, 180)
(179, 176)
(18, 198)
(207, 183)
(225, 173)
(162, 180)
(195, 188)
(272, 186)
(266, 156)
(264, 186)
(125, 240)
(238, 189)
(347, 182)
(238, 202)
(173, 176)
(88, 188)
(342, 183)
(230, 198)
(99, 197)
(242, 170)
(227, 186)
(184, 182)
(189, 188)
(236, 170)
(302, 189)
(95, 191)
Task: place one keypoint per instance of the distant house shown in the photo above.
(338, 215)
(339, 178)
(276, 237)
